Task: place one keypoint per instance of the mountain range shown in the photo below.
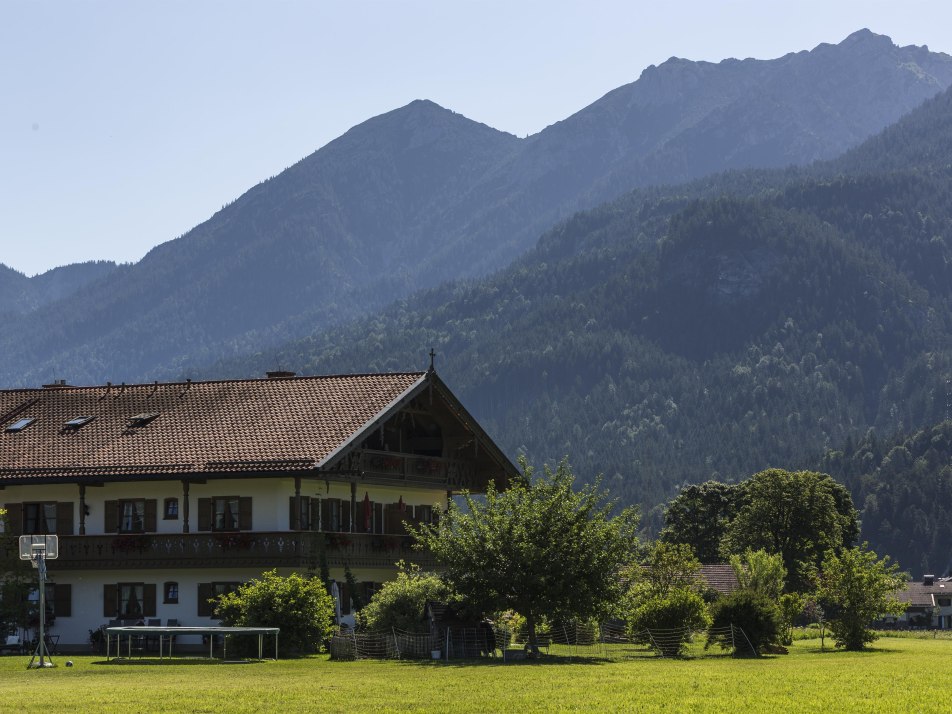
(421, 195)
(793, 308)
(714, 329)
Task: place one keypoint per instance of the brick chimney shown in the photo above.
(57, 384)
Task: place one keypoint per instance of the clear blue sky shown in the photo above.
(126, 123)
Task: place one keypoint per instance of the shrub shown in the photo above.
(755, 613)
(399, 603)
(680, 610)
(300, 606)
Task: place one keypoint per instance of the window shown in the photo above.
(210, 592)
(77, 422)
(39, 518)
(170, 594)
(170, 511)
(335, 515)
(307, 511)
(945, 602)
(128, 601)
(131, 600)
(225, 514)
(33, 597)
(21, 424)
(132, 516)
(142, 419)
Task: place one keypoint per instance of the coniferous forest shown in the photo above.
(799, 318)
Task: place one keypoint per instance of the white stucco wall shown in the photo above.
(270, 512)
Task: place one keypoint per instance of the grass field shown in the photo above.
(898, 675)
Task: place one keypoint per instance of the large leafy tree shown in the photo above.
(541, 548)
(856, 588)
(799, 515)
(699, 515)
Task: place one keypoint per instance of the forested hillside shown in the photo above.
(421, 195)
(20, 294)
(675, 336)
(903, 487)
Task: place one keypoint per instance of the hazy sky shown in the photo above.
(126, 123)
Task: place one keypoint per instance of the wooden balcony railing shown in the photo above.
(276, 549)
(389, 465)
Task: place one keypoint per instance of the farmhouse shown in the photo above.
(164, 495)
(928, 603)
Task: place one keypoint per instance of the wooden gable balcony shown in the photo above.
(265, 550)
(454, 474)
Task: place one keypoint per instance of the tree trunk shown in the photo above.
(532, 642)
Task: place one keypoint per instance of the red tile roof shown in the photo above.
(202, 427)
(720, 577)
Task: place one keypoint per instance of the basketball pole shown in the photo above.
(39, 562)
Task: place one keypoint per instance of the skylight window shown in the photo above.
(142, 419)
(21, 424)
(77, 422)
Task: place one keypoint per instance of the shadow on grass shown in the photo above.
(559, 660)
(543, 661)
(178, 662)
(832, 651)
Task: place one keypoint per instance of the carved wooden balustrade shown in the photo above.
(276, 549)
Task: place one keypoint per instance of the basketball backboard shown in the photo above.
(31, 545)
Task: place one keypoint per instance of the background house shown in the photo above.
(928, 603)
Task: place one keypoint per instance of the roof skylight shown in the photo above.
(142, 419)
(77, 422)
(21, 424)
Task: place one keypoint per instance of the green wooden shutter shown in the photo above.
(148, 600)
(205, 591)
(151, 506)
(15, 518)
(244, 513)
(63, 600)
(111, 516)
(295, 522)
(204, 514)
(110, 600)
(64, 518)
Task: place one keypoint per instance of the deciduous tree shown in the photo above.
(798, 514)
(699, 516)
(541, 548)
(855, 588)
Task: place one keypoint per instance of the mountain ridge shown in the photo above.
(421, 195)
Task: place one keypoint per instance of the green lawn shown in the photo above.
(898, 675)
